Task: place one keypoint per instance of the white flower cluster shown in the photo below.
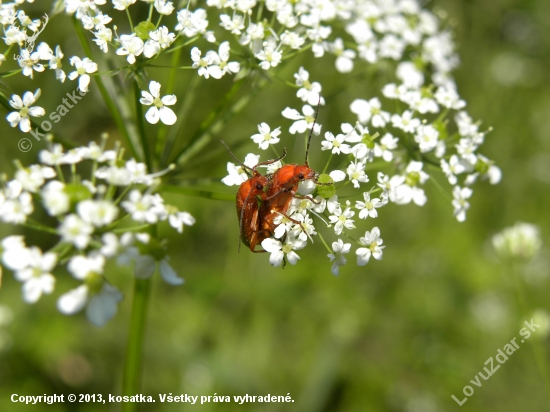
(428, 130)
(520, 242)
(409, 140)
(94, 223)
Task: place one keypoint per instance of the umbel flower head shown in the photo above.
(447, 147)
(99, 217)
(387, 148)
(521, 242)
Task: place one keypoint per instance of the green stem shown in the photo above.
(538, 349)
(325, 243)
(210, 128)
(133, 363)
(161, 135)
(187, 191)
(141, 127)
(104, 93)
(40, 227)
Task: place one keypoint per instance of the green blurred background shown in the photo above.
(402, 334)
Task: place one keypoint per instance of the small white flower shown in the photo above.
(164, 7)
(302, 122)
(209, 65)
(160, 39)
(356, 173)
(369, 206)
(340, 249)
(225, 65)
(292, 39)
(73, 301)
(337, 175)
(385, 147)
(265, 136)
(52, 158)
(122, 4)
(308, 92)
(33, 177)
(74, 230)
(449, 98)
(83, 68)
(521, 241)
(405, 122)
(234, 24)
(57, 64)
(24, 110)
(159, 111)
(460, 202)
(192, 23)
(103, 36)
(29, 62)
(16, 209)
(344, 59)
(36, 275)
(427, 137)
(237, 174)
(55, 199)
(410, 75)
(144, 207)
(178, 219)
(279, 252)
(455, 167)
(370, 111)
(83, 266)
(98, 21)
(131, 46)
(269, 56)
(97, 212)
(372, 243)
(335, 144)
(341, 219)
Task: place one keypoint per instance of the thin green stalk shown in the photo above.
(325, 243)
(538, 349)
(161, 135)
(131, 381)
(130, 19)
(141, 127)
(40, 227)
(328, 162)
(104, 93)
(440, 189)
(131, 229)
(187, 191)
(210, 129)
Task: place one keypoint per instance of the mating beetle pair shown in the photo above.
(261, 199)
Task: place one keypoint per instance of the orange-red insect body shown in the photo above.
(281, 191)
(249, 199)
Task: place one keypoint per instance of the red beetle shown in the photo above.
(250, 197)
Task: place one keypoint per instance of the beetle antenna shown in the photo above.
(268, 162)
(311, 131)
(247, 168)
